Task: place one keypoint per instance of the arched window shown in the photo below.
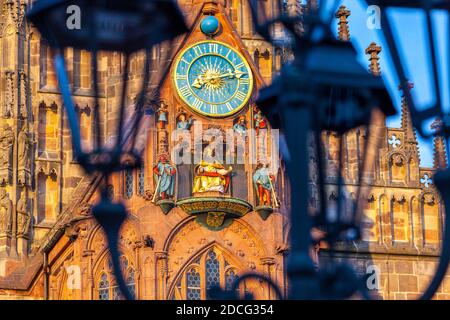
(193, 284)
(128, 184)
(141, 181)
(211, 269)
(103, 287)
(230, 278)
(107, 285)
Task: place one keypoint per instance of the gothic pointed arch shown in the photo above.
(211, 266)
(105, 285)
(239, 243)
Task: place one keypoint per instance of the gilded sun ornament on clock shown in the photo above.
(213, 79)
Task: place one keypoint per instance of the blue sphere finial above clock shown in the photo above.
(209, 25)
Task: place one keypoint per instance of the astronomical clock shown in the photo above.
(213, 79)
(213, 83)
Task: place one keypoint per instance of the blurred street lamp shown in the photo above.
(423, 116)
(112, 25)
(324, 89)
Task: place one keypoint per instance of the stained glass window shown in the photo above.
(109, 290)
(103, 288)
(130, 282)
(128, 183)
(193, 284)
(212, 270)
(141, 181)
(116, 294)
(230, 279)
(204, 273)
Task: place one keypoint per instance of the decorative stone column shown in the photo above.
(161, 275)
(268, 263)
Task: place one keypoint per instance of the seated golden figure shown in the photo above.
(211, 177)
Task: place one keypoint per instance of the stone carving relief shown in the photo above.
(5, 212)
(6, 150)
(23, 216)
(191, 238)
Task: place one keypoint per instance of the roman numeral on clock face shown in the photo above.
(181, 77)
(185, 91)
(240, 65)
(197, 103)
(229, 107)
(214, 47)
(240, 95)
(197, 51)
(244, 81)
(213, 109)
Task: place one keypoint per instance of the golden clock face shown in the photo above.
(213, 79)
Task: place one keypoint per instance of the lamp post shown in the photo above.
(324, 89)
(113, 25)
(421, 116)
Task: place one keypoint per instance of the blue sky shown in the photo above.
(410, 31)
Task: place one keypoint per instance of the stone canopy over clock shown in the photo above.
(213, 79)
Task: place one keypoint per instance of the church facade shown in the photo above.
(193, 223)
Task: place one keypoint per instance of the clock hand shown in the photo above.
(237, 74)
(200, 81)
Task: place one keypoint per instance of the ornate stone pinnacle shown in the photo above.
(410, 86)
(342, 14)
(374, 50)
(406, 120)
(440, 153)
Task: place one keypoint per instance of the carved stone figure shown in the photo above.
(6, 145)
(240, 126)
(211, 177)
(162, 115)
(5, 212)
(263, 182)
(23, 216)
(260, 121)
(183, 123)
(24, 147)
(164, 174)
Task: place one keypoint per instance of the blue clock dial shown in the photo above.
(213, 79)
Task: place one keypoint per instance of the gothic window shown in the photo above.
(130, 282)
(76, 69)
(400, 218)
(107, 286)
(82, 76)
(128, 184)
(430, 217)
(43, 63)
(47, 75)
(211, 269)
(397, 168)
(103, 288)
(193, 284)
(230, 278)
(141, 180)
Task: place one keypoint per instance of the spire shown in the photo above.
(374, 50)
(407, 126)
(342, 14)
(440, 153)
